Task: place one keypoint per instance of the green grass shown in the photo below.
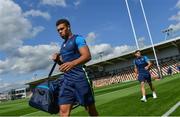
(118, 99)
(176, 112)
(168, 94)
(16, 107)
(114, 87)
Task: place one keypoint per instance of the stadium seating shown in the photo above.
(127, 74)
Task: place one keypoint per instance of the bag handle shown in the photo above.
(52, 69)
(54, 65)
(50, 73)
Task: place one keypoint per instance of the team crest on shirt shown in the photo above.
(70, 43)
(140, 60)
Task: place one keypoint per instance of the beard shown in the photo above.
(65, 37)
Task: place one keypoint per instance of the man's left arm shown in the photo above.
(85, 56)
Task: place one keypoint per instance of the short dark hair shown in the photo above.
(63, 21)
(137, 51)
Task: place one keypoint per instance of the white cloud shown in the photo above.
(14, 26)
(37, 13)
(175, 17)
(175, 27)
(37, 30)
(107, 51)
(77, 3)
(178, 4)
(141, 42)
(118, 50)
(28, 59)
(104, 49)
(54, 2)
(4, 66)
(5, 86)
(91, 37)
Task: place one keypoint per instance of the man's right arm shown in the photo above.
(135, 71)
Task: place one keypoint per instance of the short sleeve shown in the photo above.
(146, 59)
(80, 41)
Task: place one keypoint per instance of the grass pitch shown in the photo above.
(121, 99)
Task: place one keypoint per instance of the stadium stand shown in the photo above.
(126, 74)
(120, 68)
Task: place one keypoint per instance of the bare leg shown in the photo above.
(143, 89)
(151, 86)
(65, 110)
(152, 89)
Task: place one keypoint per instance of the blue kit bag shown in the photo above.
(45, 95)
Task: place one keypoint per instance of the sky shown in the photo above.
(28, 35)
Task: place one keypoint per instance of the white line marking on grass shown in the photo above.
(171, 109)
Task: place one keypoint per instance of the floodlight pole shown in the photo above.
(101, 55)
(132, 25)
(154, 51)
(167, 32)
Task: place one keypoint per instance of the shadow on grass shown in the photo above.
(149, 96)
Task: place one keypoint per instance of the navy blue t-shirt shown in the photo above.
(70, 51)
(141, 63)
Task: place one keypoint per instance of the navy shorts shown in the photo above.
(144, 77)
(72, 92)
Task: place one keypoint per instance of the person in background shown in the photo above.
(141, 68)
(169, 70)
